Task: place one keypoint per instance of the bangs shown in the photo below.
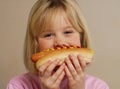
(75, 19)
(44, 21)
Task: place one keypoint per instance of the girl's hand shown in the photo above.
(48, 79)
(75, 71)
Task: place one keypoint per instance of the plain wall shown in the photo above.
(103, 17)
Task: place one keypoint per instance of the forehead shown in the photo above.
(59, 20)
(55, 19)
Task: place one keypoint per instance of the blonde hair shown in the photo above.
(42, 15)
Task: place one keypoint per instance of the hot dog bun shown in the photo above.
(61, 53)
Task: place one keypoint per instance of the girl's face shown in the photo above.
(60, 33)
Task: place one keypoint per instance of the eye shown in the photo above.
(48, 35)
(68, 32)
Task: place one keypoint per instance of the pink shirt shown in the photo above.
(31, 81)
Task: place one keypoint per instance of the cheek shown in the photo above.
(43, 44)
(75, 40)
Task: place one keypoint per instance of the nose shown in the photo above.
(60, 41)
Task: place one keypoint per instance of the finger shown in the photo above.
(51, 67)
(82, 62)
(43, 68)
(69, 76)
(60, 78)
(76, 63)
(71, 67)
(58, 73)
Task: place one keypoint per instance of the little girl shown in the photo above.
(54, 23)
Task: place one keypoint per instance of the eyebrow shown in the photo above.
(69, 27)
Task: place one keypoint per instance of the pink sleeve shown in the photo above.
(103, 85)
(14, 86)
(10, 86)
(18, 84)
(25, 81)
(95, 83)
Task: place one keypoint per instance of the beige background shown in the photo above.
(103, 18)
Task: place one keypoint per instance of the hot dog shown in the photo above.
(61, 53)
